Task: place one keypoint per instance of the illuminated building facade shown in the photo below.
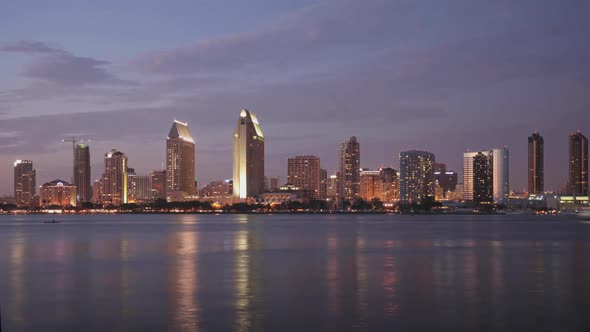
(483, 171)
(416, 176)
(81, 179)
(248, 161)
(500, 174)
(445, 181)
(57, 193)
(305, 172)
(114, 181)
(350, 171)
(97, 192)
(143, 189)
(578, 164)
(180, 162)
(131, 186)
(158, 179)
(332, 192)
(370, 185)
(25, 178)
(536, 172)
(389, 185)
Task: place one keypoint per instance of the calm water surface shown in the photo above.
(294, 273)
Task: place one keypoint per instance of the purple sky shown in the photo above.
(444, 76)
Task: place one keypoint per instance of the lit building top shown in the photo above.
(180, 130)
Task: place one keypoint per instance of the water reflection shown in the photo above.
(361, 282)
(243, 320)
(184, 281)
(17, 277)
(333, 274)
(390, 281)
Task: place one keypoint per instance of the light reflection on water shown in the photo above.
(293, 273)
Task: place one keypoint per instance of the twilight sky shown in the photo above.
(443, 76)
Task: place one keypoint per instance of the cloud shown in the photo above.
(30, 47)
(61, 67)
(67, 69)
(329, 29)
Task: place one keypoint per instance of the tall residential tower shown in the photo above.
(578, 164)
(81, 177)
(536, 164)
(350, 169)
(24, 182)
(180, 162)
(499, 159)
(416, 176)
(248, 167)
(114, 180)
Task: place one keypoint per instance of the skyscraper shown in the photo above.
(500, 173)
(536, 168)
(350, 169)
(82, 173)
(131, 186)
(416, 176)
(304, 172)
(24, 182)
(180, 162)
(248, 167)
(483, 186)
(323, 184)
(114, 181)
(578, 164)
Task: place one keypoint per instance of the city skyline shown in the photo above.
(454, 84)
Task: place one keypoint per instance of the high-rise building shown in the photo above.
(370, 185)
(131, 186)
(323, 184)
(332, 192)
(272, 183)
(81, 179)
(24, 182)
(389, 185)
(180, 162)
(97, 191)
(350, 169)
(248, 167)
(57, 192)
(114, 181)
(445, 180)
(158, 178)
(578, 164)
(483, 170)
(536, 167)
(500, 174)
(416, 176)
(143, 188)
(304, 172)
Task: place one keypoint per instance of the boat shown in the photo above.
(51, 221)
(583, 213)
